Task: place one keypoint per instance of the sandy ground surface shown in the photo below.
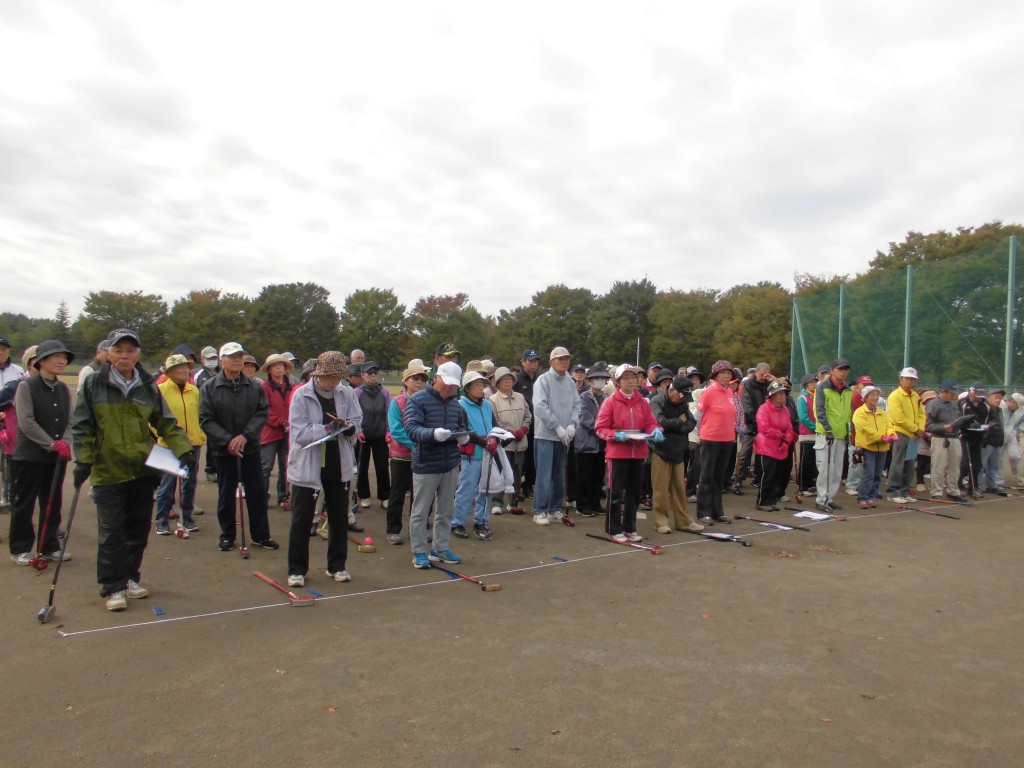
(886, 640)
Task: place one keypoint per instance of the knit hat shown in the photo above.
(721, 365)
(330, 365)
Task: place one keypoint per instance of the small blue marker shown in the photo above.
(158, 611)
(560, 559)
(314, 593)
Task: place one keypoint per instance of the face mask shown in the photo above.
(209, 364)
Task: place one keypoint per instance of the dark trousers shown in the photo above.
(123, 514)
(529, 466)
(625, 484)
(31, 481)
(807, 472)
(970, 464)
(570, 476)
(255, 497)
(716, 462)
(303, 506)
(692, 469)
(401, 482)
(589, 479)
(773, 476)
(377, 449)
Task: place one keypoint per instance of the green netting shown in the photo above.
(958, 325)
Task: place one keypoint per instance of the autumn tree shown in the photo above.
(436, 319)
(918, 248)
(683, 327)
(755, 326)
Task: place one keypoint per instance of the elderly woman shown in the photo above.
(274, 439)
(323, 408)
(775, 436)
(875, 432)
(718, 417)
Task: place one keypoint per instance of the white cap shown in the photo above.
(559, 352)
(450, 373)
(909, 373)
(627, 368)
(868, 390)
(231, 348)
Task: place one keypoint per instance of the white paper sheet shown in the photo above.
(164, 459)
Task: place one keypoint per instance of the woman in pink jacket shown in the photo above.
(624, 420)
(775, 435)
(718, 418)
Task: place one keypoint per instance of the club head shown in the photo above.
(244, 552)
(44, 614)
(746, 543)
(656, 550)
(568, 521)
(490, 587)
(39, 563)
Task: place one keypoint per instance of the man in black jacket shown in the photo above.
(232, 412)
(524, 385)
(668, 479)
(755, 393)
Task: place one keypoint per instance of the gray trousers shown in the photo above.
(829, 459)
(424, 489)
(900, 470)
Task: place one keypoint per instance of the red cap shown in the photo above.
(865, 380)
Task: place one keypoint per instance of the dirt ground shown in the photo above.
(886, 640)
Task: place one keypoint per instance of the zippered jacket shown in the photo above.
(230, 408)
(306, 420)
(619, 413)
(184, 404)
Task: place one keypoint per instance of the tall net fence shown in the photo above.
(957, 325)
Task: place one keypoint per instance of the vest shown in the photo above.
(52, 414)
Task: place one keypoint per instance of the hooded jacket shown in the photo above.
(305, 417)
(774, 431)
(619, 413)
(677, 422)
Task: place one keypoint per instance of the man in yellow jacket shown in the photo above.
(907, 415)
(182, 397)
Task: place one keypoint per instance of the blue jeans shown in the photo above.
(549, 490)
(468, 497)
(166, 489)
(871, 477)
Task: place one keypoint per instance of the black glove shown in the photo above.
(829, 438)
(81, 474)
(188, 462)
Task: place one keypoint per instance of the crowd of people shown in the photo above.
(462, 445)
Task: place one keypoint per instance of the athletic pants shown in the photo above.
(255, 498)
(32, 481)
(123, 515)
(304, 499)
(625, 484)
(424, 489)
(829, 458)
(401, 482)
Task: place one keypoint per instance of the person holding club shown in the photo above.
(114, 416)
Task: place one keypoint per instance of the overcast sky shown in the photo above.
(491, 148)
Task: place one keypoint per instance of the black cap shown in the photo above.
(578, 367)
(681, 384)
(665, 376)
(446, 350)
(530, 354)
(4, 342)
(353, 369)
(121, 334)
(948, 385)
(840, 362)
(370, 366)
(599, 372)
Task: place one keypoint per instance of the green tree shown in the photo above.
(510, 336)
(436, 319)
(374, 321)
(146, 314)
(24, 331)
(209, 318)
(292, 317)
(62, 323)
(918, 248)
(755, 326)
(621, 317)
(560, 317)
(683, 327)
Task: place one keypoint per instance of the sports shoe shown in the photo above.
(25, 558)
(646, 502)
(706, 520)
(198, 511)
(692, 498)
(364, 503)
(482, 532)
(136, 591)
(394, 538)
(497, 510)
(541, 519)
(355, 527)
(225, 545)
(834, 505)
(723, 519)
(692, 527)
(340, 576)
(664, 529)
(190, 526)
(783, 497)
(163, 528)
(419, 560)
(863, 505)
(920, 487)
(460, 531)
(296, 581)
(444, 556)
(911, 500)
(827, 508)
(56, 557)
(898, 499)
(851, 491)
(116, 601)
(633, 536)
(618, 538)
(586, 513)
(266, 543)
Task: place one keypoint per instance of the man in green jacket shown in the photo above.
(832, 398)
(116, 415)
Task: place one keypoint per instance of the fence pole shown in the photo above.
(1011, 288)
(906, 321)
(842, 306)
(800, 335)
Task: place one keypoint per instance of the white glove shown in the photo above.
(462, 439)
(563, 436)
(570, 432)
(441, 434)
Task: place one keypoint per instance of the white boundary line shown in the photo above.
(524, 569)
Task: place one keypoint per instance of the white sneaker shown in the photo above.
(541, 519)
(633, 537)
(497, 510)
(54, 557)
(340, 576)
(695, 527)
(296, 581)
(898, 499)
(619, 538)
(364, 503)
(851, 491)
(783, 497)
(136, 591)
(116, 601)
(25, 558)
(910, 500)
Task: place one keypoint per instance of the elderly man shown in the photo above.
(907, 416)
(529, 364)
(943, 421)
(556, 415)
(832, 398)
(232, 412)
(112, 440)
(755, 393)
(96, 363)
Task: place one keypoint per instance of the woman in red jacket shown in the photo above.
(274, 440)
(624, 422)
(774, 437)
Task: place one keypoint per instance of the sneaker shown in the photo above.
(190, 526)
(482, 532)
(266, 543)
(692, 498)
(911, 500)
(497, 510)
(765, 508)
(920, 487)
(633, 536)
(225, 545)
(460, 531)
(834, 505)
(872, 505)
(364, 503)
(136, 591)
(541, 519)
(863, 505)
(587, 513)
(419, 560)
(663, 529)
(646, 503)
(851, 491)
(56, 556)
(723, 519)
(898, 499)
(444, 556)
(394, 538)
(296, 581)
(163, 528)
(783, 497)
(355, 527)
(706, 520)
(198, 511)
(618, 538)
(25, 558)
(692, 527)
(340, 576)
(116, 601)
(827, 508)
